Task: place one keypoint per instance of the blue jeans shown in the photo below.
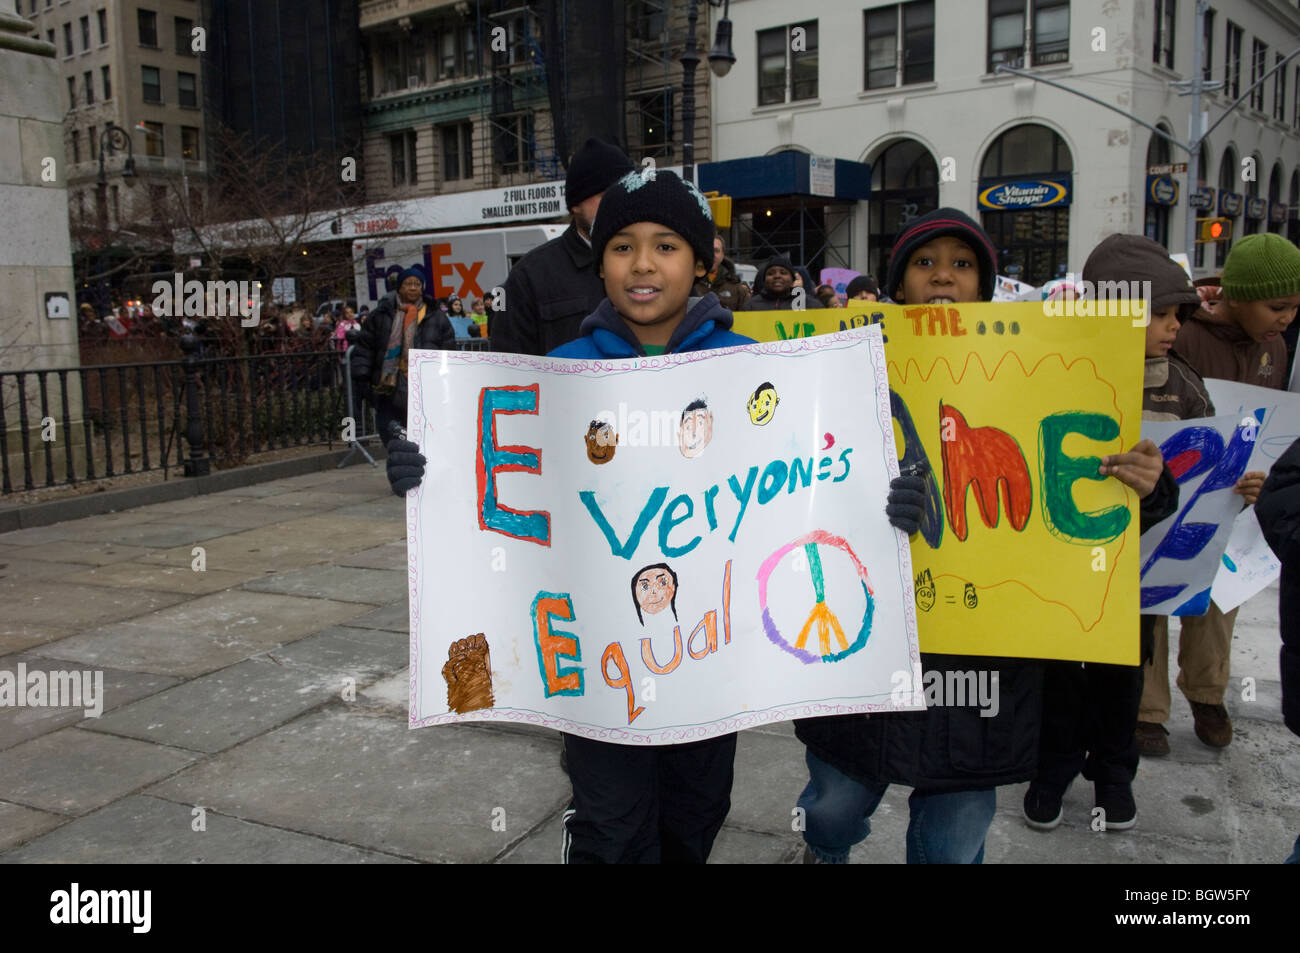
(1295, 855)
(944, 828)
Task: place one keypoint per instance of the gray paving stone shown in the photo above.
(341, 583)
(223, 708)
(396, 617)
(24, 620)
(388, 556)
(84, 552)
(238, 513)
(183, 581)
(770, 774)
(365, 779)
(120, 688)
(389, 509)
(73, 771)
(148, 830)
(158, 535)
(19, 824)
(204, 634)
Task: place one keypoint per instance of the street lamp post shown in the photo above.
(720, 59)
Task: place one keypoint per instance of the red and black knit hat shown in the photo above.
(936, 224)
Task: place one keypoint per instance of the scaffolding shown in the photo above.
(651, 98)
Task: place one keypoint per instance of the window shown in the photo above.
(457, 151)
(401, 148)
(1279, 89)
(67, 39)
(102, 15)
(190, 143)
(72, 92)
(889, 64)
(1006, 33)
(49, 37)
(92, 139)
(85, 34)
(1295, 119)
(654, 123)
(154, 144)
(147, 21)
(107, 83)
(514, 142)
(86, 78)
(1258, 66)
(787, 63)
(152, 80)
(1232, 68)
(158, 204)
(403, 63)
(1207, 66)
(1052, 31)
(76, 145)
(186, 89)
(1166, 22)
(183, 28)
(649, 21)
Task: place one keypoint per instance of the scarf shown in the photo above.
(400, 342)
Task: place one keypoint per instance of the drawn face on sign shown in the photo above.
(601, 442)
(762, 404)
(696, 429)
(654, 589)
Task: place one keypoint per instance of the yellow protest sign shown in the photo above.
(1025, 549)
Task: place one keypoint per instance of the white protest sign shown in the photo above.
(1279, 421)
(1180, 555)
(657, 549)
(1248, 565)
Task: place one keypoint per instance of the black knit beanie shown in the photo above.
(655, 195)
(1134, 259)
(860, 284)
(776, 261)
(936, 224)
(593, 169)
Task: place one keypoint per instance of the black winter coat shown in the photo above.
(1278, 512)
(953, 748)
(548, 294)
(433, 333)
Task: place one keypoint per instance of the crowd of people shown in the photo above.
(578, 297)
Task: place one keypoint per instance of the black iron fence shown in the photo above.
(70, 425)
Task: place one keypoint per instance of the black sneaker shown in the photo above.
(1042, 807)
(1117, 801)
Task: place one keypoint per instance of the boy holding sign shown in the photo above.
(652, 237)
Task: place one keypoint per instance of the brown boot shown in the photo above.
(1152, 739)
(1212, 724)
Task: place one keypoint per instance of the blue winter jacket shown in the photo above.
(605, 334)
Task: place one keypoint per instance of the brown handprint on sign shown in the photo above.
(468, 672)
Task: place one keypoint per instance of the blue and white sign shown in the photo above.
(1202, 199)
(1256, 208)
(1162, 190)
(1035, 193)
(1230, 204)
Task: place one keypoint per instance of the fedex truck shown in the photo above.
(466, 264)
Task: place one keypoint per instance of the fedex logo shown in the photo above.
(447, 275)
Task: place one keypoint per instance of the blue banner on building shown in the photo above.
(1230, 204)
(1025, 193)
(1202, 199)
(1162, 190)
(1277, 212)
(1256, 208)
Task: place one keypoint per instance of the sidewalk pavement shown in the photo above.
(225, 690)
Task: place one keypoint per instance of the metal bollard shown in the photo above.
(198, 464)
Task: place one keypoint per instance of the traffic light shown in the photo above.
(720, 206)
(1213, 229)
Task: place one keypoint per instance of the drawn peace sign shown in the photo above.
(821, 616)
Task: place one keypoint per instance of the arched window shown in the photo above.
(1275, 218)
(904, 185)
(1025, 191)
(1293, 210)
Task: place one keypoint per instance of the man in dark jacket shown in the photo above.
(375, 347)
(722, 280)
(774, 287)
(1278, 512)
(552, 288)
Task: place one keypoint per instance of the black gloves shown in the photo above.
(405, 465)
(906, 502)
